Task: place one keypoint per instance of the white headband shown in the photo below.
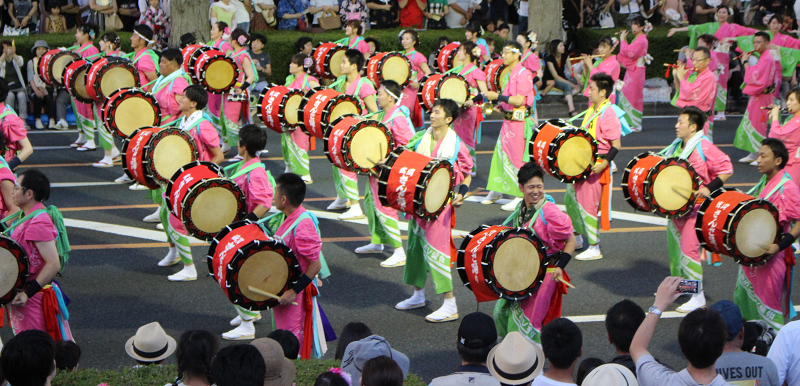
(390, 93)
(145, 39)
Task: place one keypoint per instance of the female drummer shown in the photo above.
(419, 69)
(295, 144)
(468, 122)
(109, 46)
(354, 40)
(16, 146)
(84, 117)
(473, 34)
(236, 105)
(633, 57)
(607, 63)
(530, 59)
(789, 132)
(219, 30)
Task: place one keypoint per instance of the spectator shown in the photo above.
(187, 39)
(476, 337)
(239, 365)
(555, 75)
(382, 371)
(562, 344)
(40, 92)
(68, 355)
(319, 7)
(288, 342)
(383, 13)
(151, 345)
(374, 47)
(56, 22)
(498, 11)
(23, 13)
(264, 16)
(610, 374)
(503, 30)
(280, 371)
(69, 8)
(460, 13)
(10, 70)
(353, 331)
(99, 10)
(701, 336)
(129, 13)
(196, 350)
(359, 352)
(673, 13)
(592, 9)
(736, 365)
(241, 16)
(29, 359)
(516, 360)
(785, 354)
(522, 18)
(702, 13)
(260, 60)
(304, 45)
(443, 41)
(290, 12)
(488, 25)
(435, 14)
(156, 18)
(354, 10)
(224, 11)
(587, 366)
(411, 13)
(622, 321)
(334, 377)
(628, 9)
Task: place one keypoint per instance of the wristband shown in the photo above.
(301, 284)
(536, 79)
(563, 259)
(32, 288)
(252, 216)
(463, 189)
(714, 184)
(478, 98)
(786, 241)
(612, 152)
(503, 98)
(14, 163)
(245, 85)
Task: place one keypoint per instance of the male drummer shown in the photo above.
(759, 84)
(542, 217)
(762, 292)
(252, 177)
(714, 168)
(510, 152)
(351, 83)
(383, 220)
(430, 242)
(144, 60)
(698, 88)
(583, 198)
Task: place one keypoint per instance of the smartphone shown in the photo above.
(689, 287)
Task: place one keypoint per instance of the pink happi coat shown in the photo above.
(300, 138)
(757, 80)
(702, 93)
(401, 133)
(609, 66)
(409, 97)
(85, 109)
(628, 56)
(466, 124)
(512, 133)
(789, 134)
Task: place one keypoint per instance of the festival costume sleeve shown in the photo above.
(787, 201)
(306, 241)
(367, 89)
(696, 30)
(401, 132)
(700, 93)
(363, 47)
(40, 228)
(757, 78)
(208, 136)
(717, 161)
(91, 51)
(783, 131)
(630, 53)
(13, 129)
(145, 64)
(522, 86)
(559, 228)
(609, 129)
(260, 191)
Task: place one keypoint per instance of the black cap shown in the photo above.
(188, 39)
(477, 330)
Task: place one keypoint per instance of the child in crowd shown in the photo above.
(56, 22)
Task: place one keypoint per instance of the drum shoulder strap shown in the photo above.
(293, 228)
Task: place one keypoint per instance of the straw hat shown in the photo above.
(610, 374)
(150, 344)
(280, 371)
(516, 360)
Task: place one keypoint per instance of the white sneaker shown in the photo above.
(160, 226)
(512, 205)
(153, 217)
(578, 242)
(446, 313)
(171, 258)
(491, 198)
(188, 273)
(592, 253)
(370, 248)
(123, 179)
(697, 301)
(245, 331)
(754, 163)
(39, 124)
(353, 213)
(238, 320)
(749, 158)
(52, 124)
(138, 186)
(62, 124)
(339, 203)
(397, 259)
(237, 158)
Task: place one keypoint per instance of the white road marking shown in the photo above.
(51, 131)
(79, 184)
(35, 148)
(122, 230)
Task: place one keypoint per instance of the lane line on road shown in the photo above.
(80, 184)
(35, 148)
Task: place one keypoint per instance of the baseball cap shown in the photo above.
(731, 315)
(359, 352)
(477, 330)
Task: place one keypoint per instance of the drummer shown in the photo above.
(698, 88)
(84, 117)
(468, 123)
(419, 69)
(714, 168)
(295, 144)
(353, 29)
(430, 242)
(17, 146)
(145, 60)
(219, 40)
(584, 199)
(511, 150)
(789, 132)
(237, 113)
(351, 83)
(256, 182)
(109, 46)
(763, 292)
(530, 59)
(538, 213)
(383, 220)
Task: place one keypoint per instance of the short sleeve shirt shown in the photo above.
(263, 60)
(651, 373)
(381, 18)
(37, 229)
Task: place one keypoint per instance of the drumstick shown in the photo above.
(265, 293)
(561, 279)
(681, 191)
(374, 173)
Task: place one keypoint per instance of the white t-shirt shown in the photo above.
(241, 15)
(523, 9)
(632, 7)
(453, 18)
(322, 3)
(541, 380)
(785, 354)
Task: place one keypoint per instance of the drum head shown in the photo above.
(214, 209)
(575, 156)
(219, 73)
(755, 232)
(396, 68)
(292, 108)
(80, 83)
(9, 271)
(343, 108)
(672, 187)
(265, 270)
(336, 63)
(438, 190)
(116, 78)
(59, 65)
(133, 113)
(516, 264)
(368, 146)
(171, 153)
(454, 88)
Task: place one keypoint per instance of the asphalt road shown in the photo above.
(115, 285)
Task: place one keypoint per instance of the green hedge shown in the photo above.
(307, 372)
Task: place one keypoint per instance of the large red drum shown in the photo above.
(741, 226)
(13, 269)
(110, 74)
(243, 255)
(502, 262)
(355, 144)
(188, 57)
(442, 86)
(321, 106)
(496, 75)
(415, 184)
(328, 59)
(129, 109)
(279, 108)
(446, 58)
(53, 63)
(389, 66)
(150, 155)
(75, 80)
(215, 71)
(661, 185)
(565, 151)
(204, 200)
